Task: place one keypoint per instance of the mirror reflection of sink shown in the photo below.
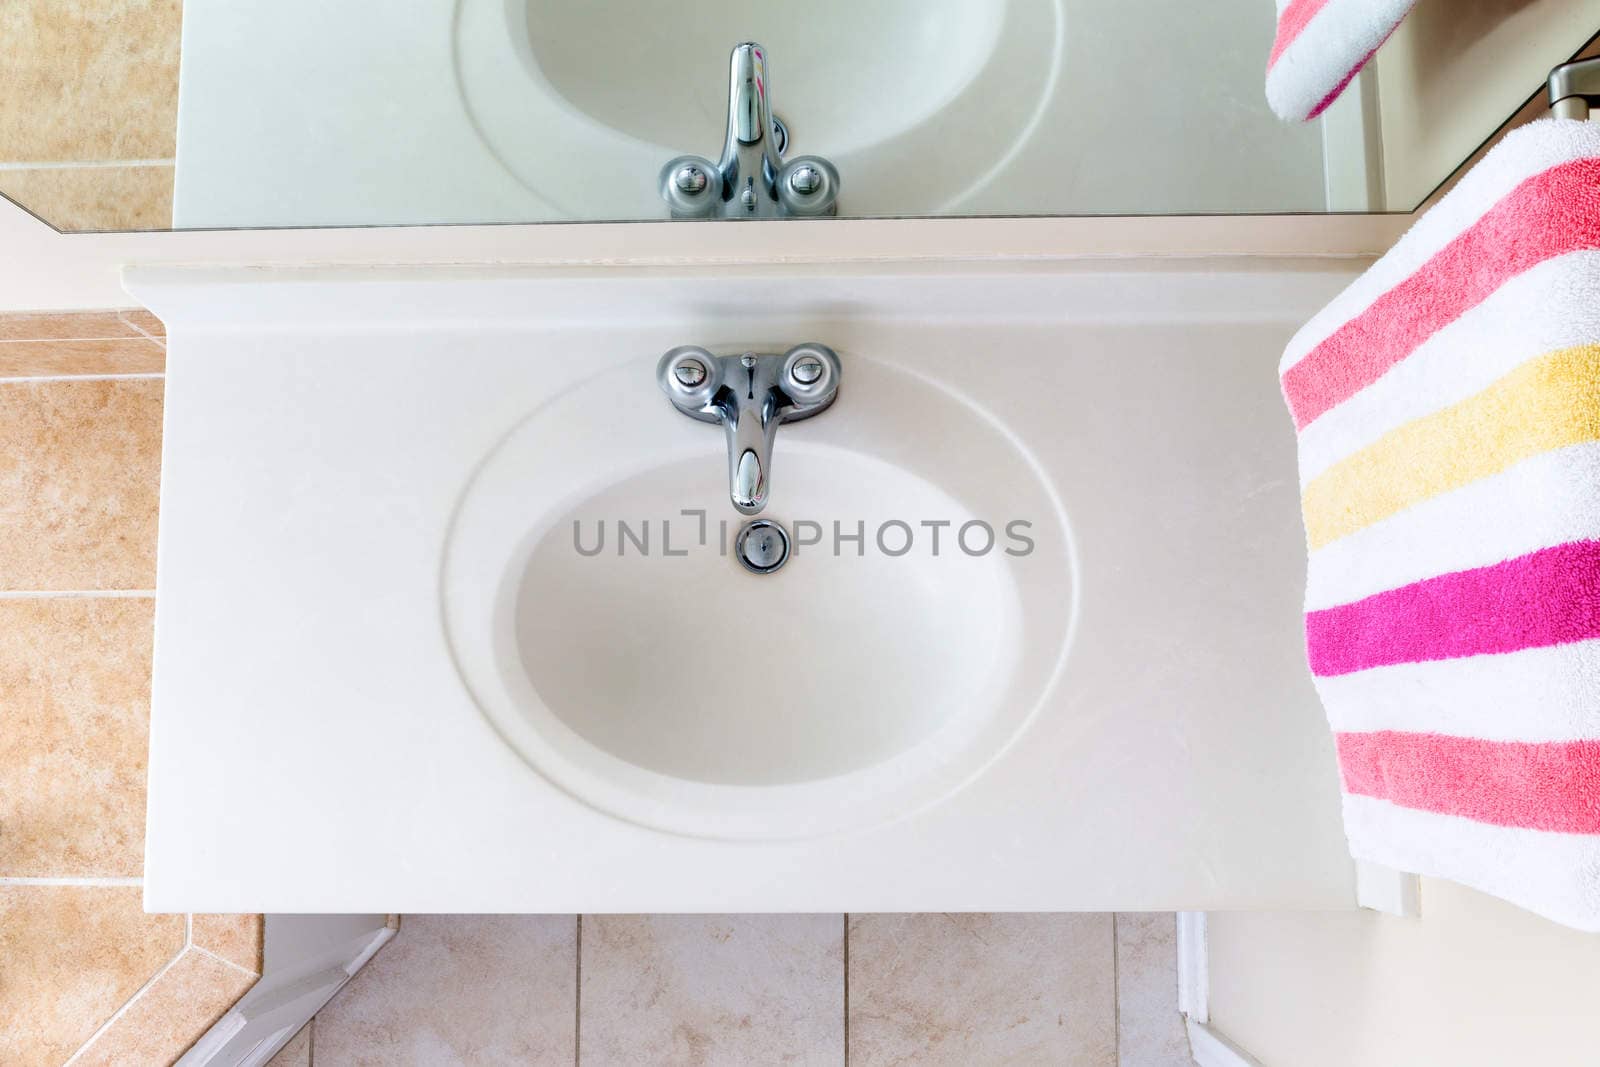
(918, 103)
(858, 683)
(898, 64)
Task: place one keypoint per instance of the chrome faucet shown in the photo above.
(751, 180)
(750, 394)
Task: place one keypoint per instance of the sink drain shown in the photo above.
(762, 546)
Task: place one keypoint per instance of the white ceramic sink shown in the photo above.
(859, 682)
(386, 679)
(306, 113)
(585, 101)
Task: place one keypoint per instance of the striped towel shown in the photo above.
(1321, 45)
(1448, 411)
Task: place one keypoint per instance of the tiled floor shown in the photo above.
(1087, 990)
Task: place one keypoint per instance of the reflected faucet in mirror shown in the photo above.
(751, 180)
(750, 394)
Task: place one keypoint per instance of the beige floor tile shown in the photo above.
(990, 989)
(297, 1053)
(89, 79)
(29, 359)
(733, 989)
(74, 726)
(80, 469)
(165, 1019)
(81, 199)
(235, 938)
(1150, 1031)
(69, 958)
(73, 325)
(478, 990)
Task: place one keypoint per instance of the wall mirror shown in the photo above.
(156, 114)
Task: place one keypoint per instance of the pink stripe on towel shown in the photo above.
(1291, 21)
(1547, 785)
(1548, 215)
(1333, 94)
(1548, 597)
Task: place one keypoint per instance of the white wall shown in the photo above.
(1474, 981)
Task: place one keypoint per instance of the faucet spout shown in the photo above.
(751, 429)
(750, 395)
(753, 405)
(751, 180)
(750, 160)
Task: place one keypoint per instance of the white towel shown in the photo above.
(1320, 46)
(1448, 410)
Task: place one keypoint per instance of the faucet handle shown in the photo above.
(691, 186)
(808, 187)
(809, 377)
(690, 375)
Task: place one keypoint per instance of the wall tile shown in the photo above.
(89, 80)
(297, 1053)
(69, 958)
(74, 325)
(164, 1020)
(1150, 1031)
(143, 322)
(235, 938)
(483, 990)
(734, 989)
(79, 480)
(26, 359)
(990, 989)
(74, 724)
(77, 199)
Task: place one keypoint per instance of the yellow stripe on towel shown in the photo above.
(1546, 403)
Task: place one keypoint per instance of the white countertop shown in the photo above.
(314, 749)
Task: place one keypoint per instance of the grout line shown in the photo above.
(577, 998)
(87, 164)
(33, 378)
(207, 952)
(84, 594)
(146, 334)
(120, 1012)
(124, 316)
(847, 989)
(82, 883)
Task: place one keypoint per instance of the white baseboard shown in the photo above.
(1207, 1047)
(282, 1002)
(1211, 1049)
(1194, 978)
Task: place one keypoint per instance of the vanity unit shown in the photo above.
(440, 555)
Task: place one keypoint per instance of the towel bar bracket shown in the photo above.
(1575, 88)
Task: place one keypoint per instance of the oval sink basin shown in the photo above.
(863, 73)
(881, 89)
(605, 628)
